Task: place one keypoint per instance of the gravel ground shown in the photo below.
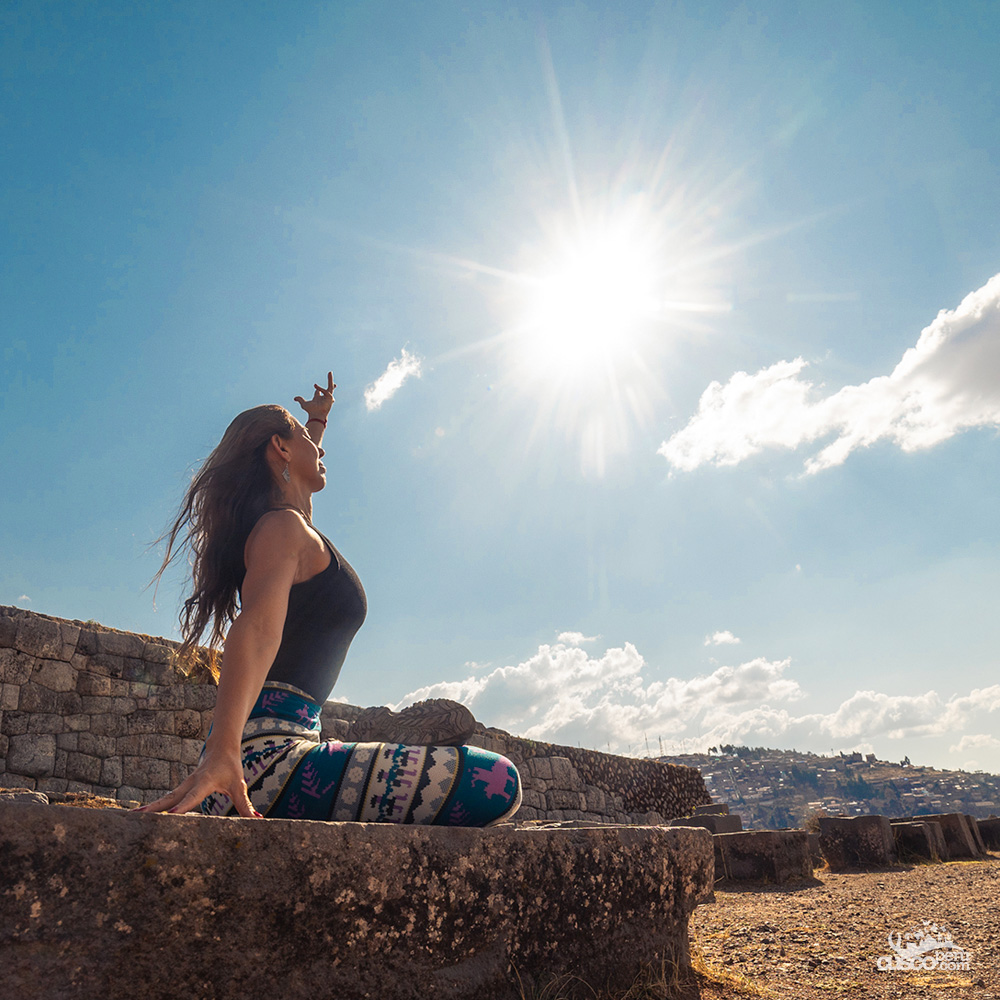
(823, 938)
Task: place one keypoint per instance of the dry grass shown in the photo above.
(733, 981)
(663, 983)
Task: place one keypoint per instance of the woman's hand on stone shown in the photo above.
(219, 773)
(322, 401)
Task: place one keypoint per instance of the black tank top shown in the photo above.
(324, 614)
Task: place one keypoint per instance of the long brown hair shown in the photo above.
(227, 495)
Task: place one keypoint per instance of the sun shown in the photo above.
(588, 304)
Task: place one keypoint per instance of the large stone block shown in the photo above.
(563, 798)
(44, 637)
(8, 625)
(957, 834)
(33, 754)
(857, 841)
(539, 767)
(989, 830)
(15, 666)
(141, 772)
(350, 910)
(562, 771)
(56, 675)
(187, 724)
(763, 855)
(977, 837)
(35, 698)
(92, 684)
(9, 696)
(83, 767)
(916, 839)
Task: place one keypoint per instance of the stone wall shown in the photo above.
(85, 708)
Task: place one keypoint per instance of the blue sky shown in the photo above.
(662, 467)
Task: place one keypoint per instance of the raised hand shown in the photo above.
(322, 401)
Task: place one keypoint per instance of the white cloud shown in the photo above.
(24, 599)
(722, 639)
(977, 740)
(390, 381)
(575, 638)
(948, 382)
(565, 694)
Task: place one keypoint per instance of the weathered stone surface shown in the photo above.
(351, 910)
(977, 837)
(56, 675)
(92, 684)
(717, 808)
(14, 723)
(15, 666)
(713, 822)
(957, 834)
(38, 699)
(44, 722)
(8, 626)
(23, 796)
(141, 772)
(33, 754)
(111, 772)
(857, 841)
(763, 855)
(17, 781)
(9, 696)
(83, 767)
(815, 851)
(915, 840)
(989, 830)
(45, 637)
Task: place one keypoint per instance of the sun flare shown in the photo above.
(588, 304)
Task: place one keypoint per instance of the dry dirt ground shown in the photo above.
(823, 938)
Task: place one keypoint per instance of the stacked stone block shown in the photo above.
(84, 708)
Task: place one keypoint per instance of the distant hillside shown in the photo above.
(772, 789)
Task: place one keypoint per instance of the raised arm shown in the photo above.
(273, 553)
(318, 408)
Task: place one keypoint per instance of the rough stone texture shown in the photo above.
(763, 856)
(713, 822)
(915, 839)
(33, 755)
(815, 851)
(856, 842)
(977, 836)
(115, 905)
(957, 834)
(23, 796)
(989, 830)
(716, 808)
(97, 709)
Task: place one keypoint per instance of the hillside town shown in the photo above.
(776, 789)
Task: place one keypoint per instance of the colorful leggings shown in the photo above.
(292, 774)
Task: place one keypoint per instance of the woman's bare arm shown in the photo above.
(273, 552)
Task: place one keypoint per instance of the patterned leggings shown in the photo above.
(292, 774)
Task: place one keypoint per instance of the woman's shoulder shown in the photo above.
(283, 527)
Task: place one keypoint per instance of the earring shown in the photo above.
(285, 474)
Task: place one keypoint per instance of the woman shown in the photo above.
(295, 604)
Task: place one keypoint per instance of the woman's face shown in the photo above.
(305, 464)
